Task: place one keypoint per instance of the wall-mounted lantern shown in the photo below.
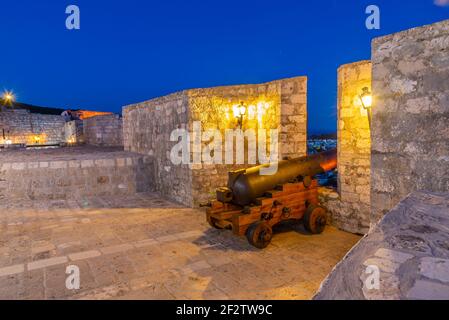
(239, 112)
(367, 102)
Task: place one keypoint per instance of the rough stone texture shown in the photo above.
(349, 210)
(21, 126)
(148, 125)
(410, 134)
(340, 214)
(162, 251)
(73, 173)
(104, 130)
(410, 246)
(74, 132)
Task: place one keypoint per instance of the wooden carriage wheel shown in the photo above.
(315, 219)
(259, 234)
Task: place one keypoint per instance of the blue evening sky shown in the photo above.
(134, 50)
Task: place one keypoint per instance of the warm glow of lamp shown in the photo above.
(251, 112)
(255, 111)
(8, 142)
(235, 110)
(367, 102)
(239, 111)
(8, 97)
(367, 98)
(37, 139)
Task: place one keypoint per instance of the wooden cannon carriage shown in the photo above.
(251, 205)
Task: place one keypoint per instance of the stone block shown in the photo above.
(84, 255)
(407, 120)
(39, 264)
(11, 270)
(428, 290)
(435, 269)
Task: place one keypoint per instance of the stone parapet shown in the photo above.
(280, 104)
(410, 134)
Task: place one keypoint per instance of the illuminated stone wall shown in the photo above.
(350, 208)
(21, 126)
(410, 115)
(279, 104)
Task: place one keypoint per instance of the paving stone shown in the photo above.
(167, 238)
(6, 271)
(383, 264)
(427, 290)
(189, 263)
(41, 249)
(435, 268)
(145, 243)
(46, 263)
(84, 255)
(116, 248)
(393, 255)
(196, 266)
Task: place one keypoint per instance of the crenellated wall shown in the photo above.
(410, 134)
(279, 105)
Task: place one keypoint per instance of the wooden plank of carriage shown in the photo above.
(287, 197)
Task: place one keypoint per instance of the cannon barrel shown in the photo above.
(248, 184)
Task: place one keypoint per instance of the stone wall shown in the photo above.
(349, 208)
(68, 174)
(410, 133)
(74, 132)
(104, 130)
(21, 126)
(147, 127)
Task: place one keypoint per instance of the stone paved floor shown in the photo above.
(143, 247)
(61, 154)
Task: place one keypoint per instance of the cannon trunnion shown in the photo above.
(252, 204)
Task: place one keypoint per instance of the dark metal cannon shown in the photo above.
(252, 202)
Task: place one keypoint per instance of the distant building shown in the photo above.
(22, 123)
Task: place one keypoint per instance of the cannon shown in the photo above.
(252, 203)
